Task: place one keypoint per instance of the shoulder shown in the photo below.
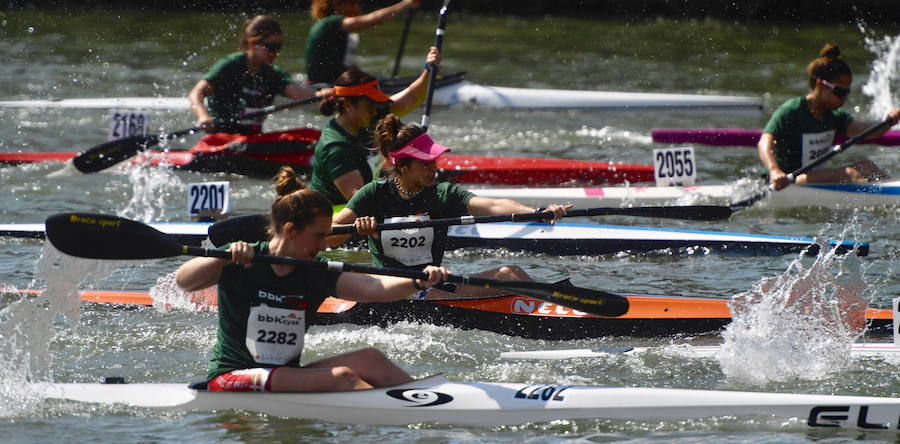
(231, 62)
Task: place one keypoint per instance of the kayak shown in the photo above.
(262, 155)
(741, 137)
(438, 400)
(857, 350)
(834, 196)
(511, 314)
(452, 90)
(559, 239)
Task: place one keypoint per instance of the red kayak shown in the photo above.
(741, 136)
(261, 156)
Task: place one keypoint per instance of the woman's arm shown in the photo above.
(410, 98)
(202, 272)
(344, 217)
(374, 288)
(202, 89)
(349, 183)
(855, 127)
(378, 16)
(766, 149)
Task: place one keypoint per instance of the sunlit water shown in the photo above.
(51, 337)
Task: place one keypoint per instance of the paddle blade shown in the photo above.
(110, 153)
(101, 236)
(599, 303)
(250, 228)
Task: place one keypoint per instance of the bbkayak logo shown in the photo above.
(529, 306)
(420, 397)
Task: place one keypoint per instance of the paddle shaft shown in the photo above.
(100, 236)
(792, 177)
(438, 43)
(701, 212)
(406, 25)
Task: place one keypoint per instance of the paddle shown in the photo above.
(253, 227)
(791, 177)
(110, 153)
(438, 42)
(98, 236)
(406, 25)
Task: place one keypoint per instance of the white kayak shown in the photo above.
(834, 196)
(560, 238)
(465, 92)
(881, 350)
(438, 400)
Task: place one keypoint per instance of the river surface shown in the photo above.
(122, 54)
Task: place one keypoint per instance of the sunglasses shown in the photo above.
(838, 90)
(271, 47)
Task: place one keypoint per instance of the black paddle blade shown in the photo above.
(101, 236)
(250, 228)
(595, 302)
(110, 153)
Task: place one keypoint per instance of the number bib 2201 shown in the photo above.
(275, 335)
(409, 247)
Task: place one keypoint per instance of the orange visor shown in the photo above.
(368, 89)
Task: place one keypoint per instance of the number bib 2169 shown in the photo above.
(275, 335)
(409, 247)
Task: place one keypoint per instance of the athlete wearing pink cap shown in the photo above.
(411, 193)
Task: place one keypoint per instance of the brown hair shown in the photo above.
(350, 77)
(829, 66)
(258, 28)
(323, 8)
(391, 135)
(295, 203)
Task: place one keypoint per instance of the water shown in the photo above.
(119, 54)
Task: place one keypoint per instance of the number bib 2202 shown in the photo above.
(409, 247)
(275, 335)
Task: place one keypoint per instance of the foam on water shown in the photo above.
(799, 325)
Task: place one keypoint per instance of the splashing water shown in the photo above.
(152, 186)
(800, 324)
(168, 296)
(28, 325)
(885, 72)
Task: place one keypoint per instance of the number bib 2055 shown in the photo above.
(409, 247)
(674, 166)
(275, 335)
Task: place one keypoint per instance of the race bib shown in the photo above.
(815, 145)
(409, 247)
(275, 335)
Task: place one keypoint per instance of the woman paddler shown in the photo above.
(342, 162)
(804, 128)
(263, 308)
(332, 43)
(412, 194)
(245, 81)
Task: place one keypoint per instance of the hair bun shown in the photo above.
(830, 51)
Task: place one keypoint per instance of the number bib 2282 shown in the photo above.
(275, 335)
(409, 247)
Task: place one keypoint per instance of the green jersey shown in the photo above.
(329, 50)
(802, 138)
(337, 153)
(263, 317)
(414, 248)
(237, 91)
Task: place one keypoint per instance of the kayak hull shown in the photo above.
(438, 400)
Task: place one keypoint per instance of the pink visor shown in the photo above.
(422, 148)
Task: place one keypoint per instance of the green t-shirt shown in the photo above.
(237, 91)
(414, 248)
(337, 153)
(326, 50)
(800, 137)
(260, 308)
